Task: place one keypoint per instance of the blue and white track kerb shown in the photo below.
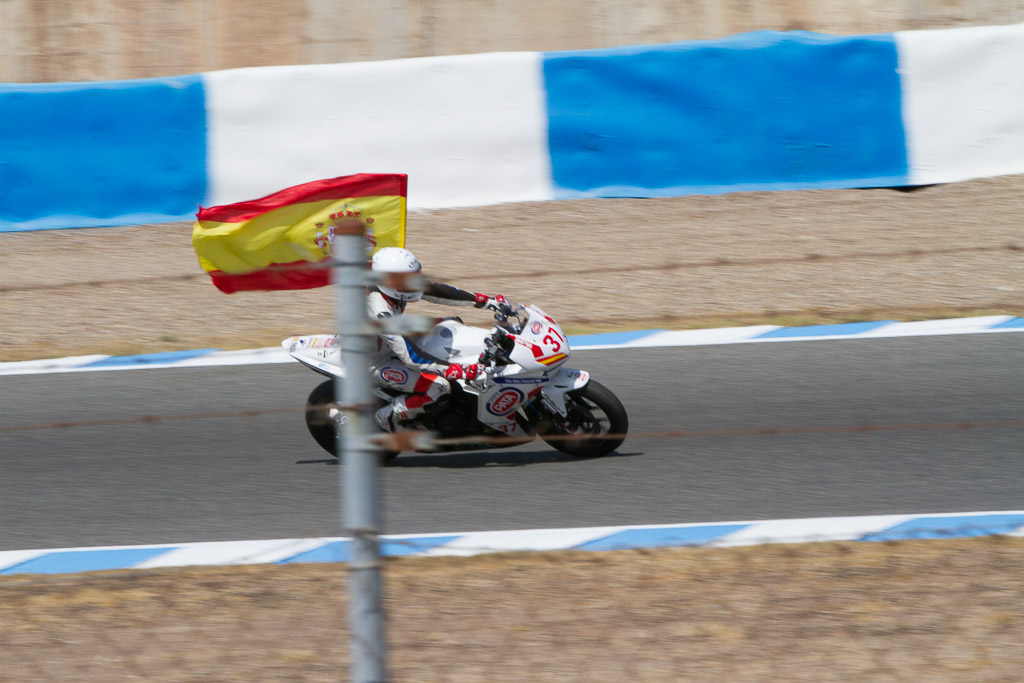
(721, 534)
(636, 339)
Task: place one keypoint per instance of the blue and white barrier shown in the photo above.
(758, 111)
(719, 535)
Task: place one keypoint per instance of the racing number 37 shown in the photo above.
(555, 342)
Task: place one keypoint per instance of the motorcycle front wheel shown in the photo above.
(595, 424)
(323, 419)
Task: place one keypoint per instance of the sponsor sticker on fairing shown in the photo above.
(520, 380)
(505, 401)
(394, 375)
(536, 327)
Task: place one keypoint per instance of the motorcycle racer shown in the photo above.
(399, 363)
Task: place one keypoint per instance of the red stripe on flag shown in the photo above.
(360, 185)
(300, 275)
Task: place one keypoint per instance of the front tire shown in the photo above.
(322, 420)
(596, 423)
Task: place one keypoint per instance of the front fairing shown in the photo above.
(539, 345)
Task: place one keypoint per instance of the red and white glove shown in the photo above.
(490, 302)
(466, 372)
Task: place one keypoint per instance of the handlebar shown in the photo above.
(502, 312)
(494, 351)
(498, 345)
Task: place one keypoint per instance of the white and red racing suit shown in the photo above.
(400, 364)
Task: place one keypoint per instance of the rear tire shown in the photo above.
(322, 420)
(593, 409)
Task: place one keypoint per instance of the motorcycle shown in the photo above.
(524, 391)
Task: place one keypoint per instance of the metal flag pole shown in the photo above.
(359, 457)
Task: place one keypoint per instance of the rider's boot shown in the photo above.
(389, 416)
(383, 417)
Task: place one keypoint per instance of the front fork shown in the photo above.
(563, 381)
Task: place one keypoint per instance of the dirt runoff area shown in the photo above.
(700, 261)
(938, 610)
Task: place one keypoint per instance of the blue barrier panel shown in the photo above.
(758, 111)
(95, 154)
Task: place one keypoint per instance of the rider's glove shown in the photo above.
(466, 372)
(489, 302)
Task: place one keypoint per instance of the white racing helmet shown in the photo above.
(397, 261)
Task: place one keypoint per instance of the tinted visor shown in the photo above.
(401, 282)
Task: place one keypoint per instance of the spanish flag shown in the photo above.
(283, 241)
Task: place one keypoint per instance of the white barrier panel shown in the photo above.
(469, 130)
(963, 102)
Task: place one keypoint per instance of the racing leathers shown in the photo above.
(400, 364)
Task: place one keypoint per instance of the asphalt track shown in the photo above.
(263, 477)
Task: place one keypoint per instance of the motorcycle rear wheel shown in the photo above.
(593, 409)
(322, 420)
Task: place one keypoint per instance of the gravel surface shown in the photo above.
(920, 610)
(686, 261)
